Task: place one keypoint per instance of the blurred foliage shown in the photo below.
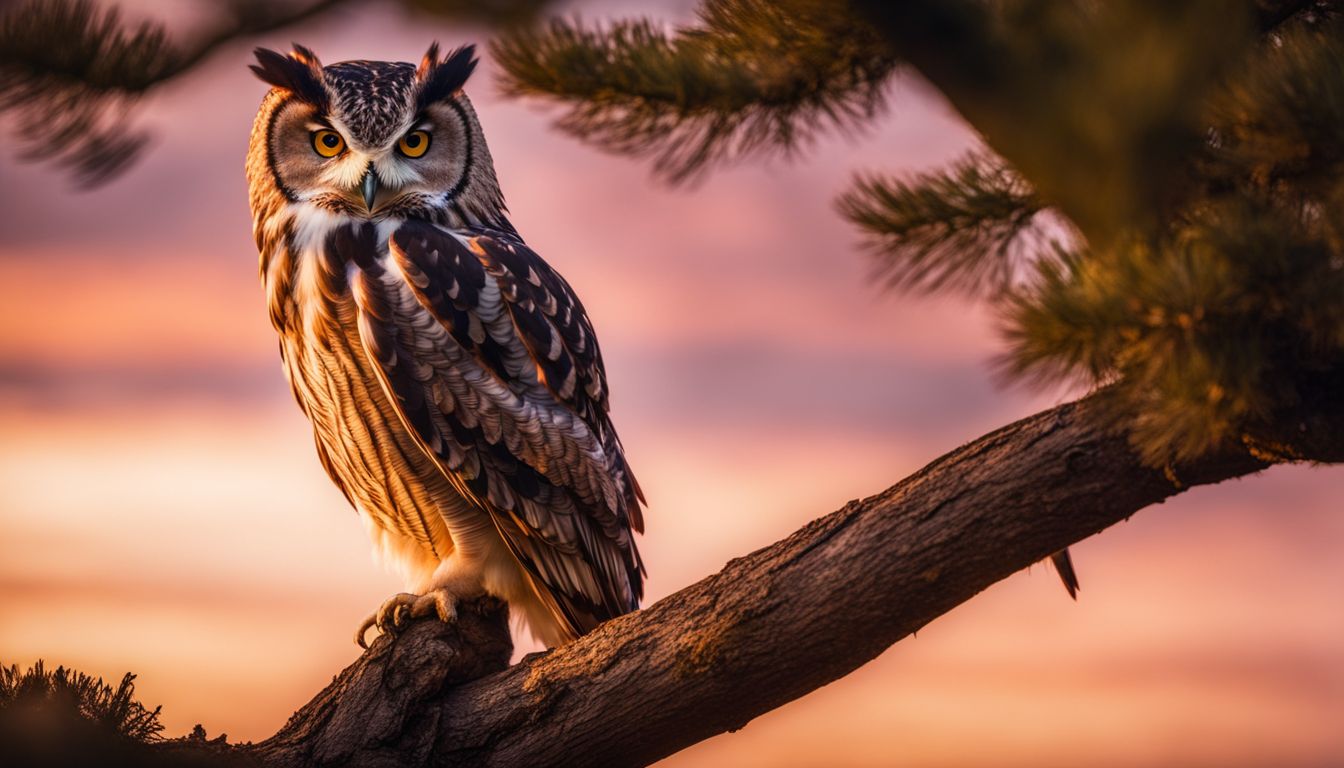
(1097, 104)
(71, 73)
(1156, 210)
(500, 12)
(65, 691)
(752, 75)
(63, 717)
(66, 718)
(1216, 318)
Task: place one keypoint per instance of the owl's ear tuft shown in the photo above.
(428, 63)
(299, 73)
(305, 55)
(439, 80)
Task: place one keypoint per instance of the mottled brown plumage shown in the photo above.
(453, 379)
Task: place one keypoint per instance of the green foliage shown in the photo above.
(752, 76)
(1157, 211)
(1203, 332)
(66, 693)
(1277, 123)
(971, 227)
(1212, 323)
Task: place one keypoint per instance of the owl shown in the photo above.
(453, 380)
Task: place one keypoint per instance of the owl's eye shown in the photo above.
(414, 144)
(328, 143)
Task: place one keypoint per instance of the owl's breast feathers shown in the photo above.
(490, 363)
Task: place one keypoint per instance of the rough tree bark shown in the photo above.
(771, 626)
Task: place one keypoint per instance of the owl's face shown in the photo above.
(374, 140)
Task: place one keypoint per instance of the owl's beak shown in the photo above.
(369, 187)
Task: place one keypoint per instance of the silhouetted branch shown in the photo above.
(246, 18)
(71, 74)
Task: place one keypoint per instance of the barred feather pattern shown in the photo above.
(455, 387)
(458, 400)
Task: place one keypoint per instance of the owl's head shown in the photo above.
(372, 139)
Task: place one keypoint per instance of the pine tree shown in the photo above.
(1154, 212)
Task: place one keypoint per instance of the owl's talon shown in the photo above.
(387, 613)
(397, 611)
(363, 630)
(438, 602)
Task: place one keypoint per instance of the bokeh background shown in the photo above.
(162, 510)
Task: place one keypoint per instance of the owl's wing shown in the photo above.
(493, 364)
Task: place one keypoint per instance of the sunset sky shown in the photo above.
(162, 510)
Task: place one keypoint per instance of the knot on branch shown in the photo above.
(379, 711)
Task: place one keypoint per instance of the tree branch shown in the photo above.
(246, 19)
(752, 76)
(72, 75)
(72, 71)
(773, 625)
(970, 227)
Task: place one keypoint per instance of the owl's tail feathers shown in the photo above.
(1064, 566)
